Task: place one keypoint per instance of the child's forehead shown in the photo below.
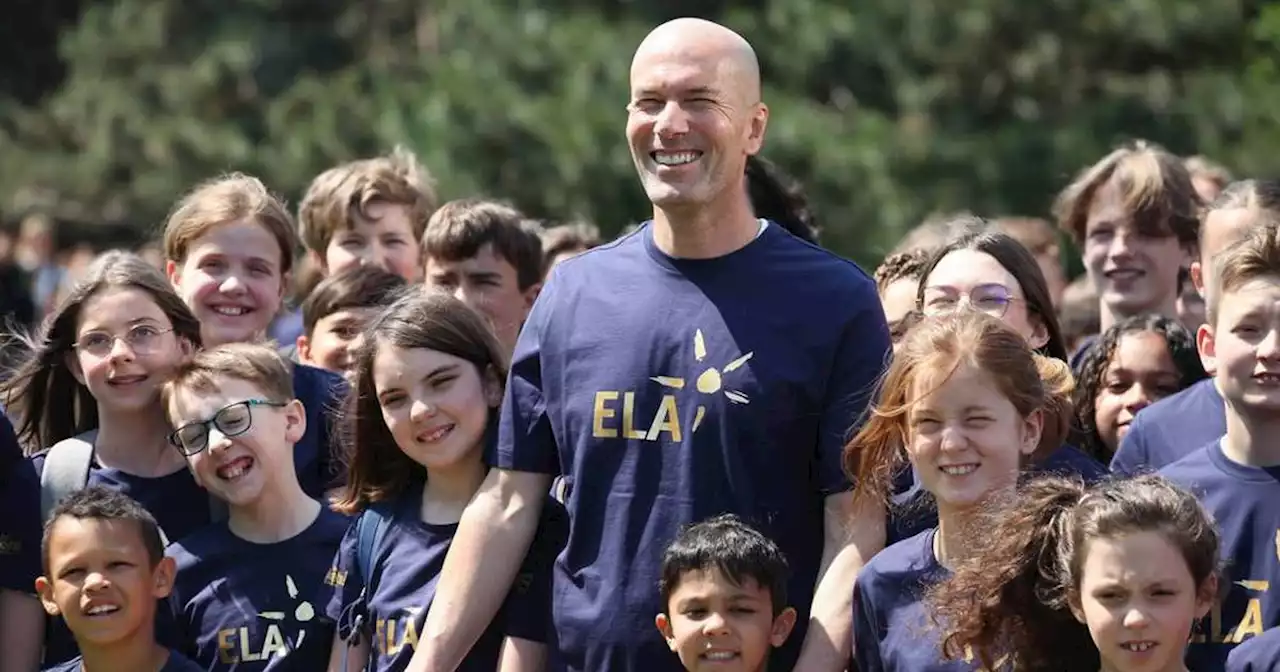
(213, 393)
(242, 238)
(1254, 292)
(713, 580)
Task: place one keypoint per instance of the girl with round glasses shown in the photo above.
(91, 378)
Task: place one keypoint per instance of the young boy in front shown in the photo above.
(1236, 477)
(246, 588)
(369, 212)
(104, 570)
(334, 316)
(724, 597)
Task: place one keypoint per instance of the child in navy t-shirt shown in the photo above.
(967, 402)
(105, 571)
(1133, 364)
(249, 591)
(424, 402)
(724, 596)
(1074, 578)
(20, 613)
(1238, 477)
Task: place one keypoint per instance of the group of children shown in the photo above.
(194, 517)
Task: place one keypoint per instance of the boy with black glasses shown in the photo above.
(246, 588)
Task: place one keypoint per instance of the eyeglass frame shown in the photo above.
(965, 299)
(127, 338)
(213, 423)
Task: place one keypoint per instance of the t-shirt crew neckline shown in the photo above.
(679, 264)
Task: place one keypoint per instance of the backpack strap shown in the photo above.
(371, 527)
(66, 469)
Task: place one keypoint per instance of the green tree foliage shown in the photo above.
(886, 111)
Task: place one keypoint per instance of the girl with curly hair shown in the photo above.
(1135, 363)
(1071, 577)
(964, 405)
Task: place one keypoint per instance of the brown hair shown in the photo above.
(557, 240)
(341, 195)
(460, 228)
(1258, 196)
(978, 236)
(377, 470)
(1202, 167)
(907, 265)
(255, 363)
(1030, 381)
(1035, 234)
(937, 229)
(1255, 255)
(1155, 189)
(356, 287)
(45, 400)
(223, 200)
(1014, 594)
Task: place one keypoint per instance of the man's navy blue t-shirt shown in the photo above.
(671, 390)
(20, 525)
(1171, 428)
(1245, 502)
(1256, 654)
(181, 506)
(405, 569)
(238, 605)
(891, 626)
(176, 663)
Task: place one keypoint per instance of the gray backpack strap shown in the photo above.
(66, 469)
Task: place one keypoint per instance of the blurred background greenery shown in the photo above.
(885, 110)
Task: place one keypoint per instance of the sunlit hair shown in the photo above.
(103, 504)
(356, 287)
(1155, 191)
(978, 236)
(1013, 595)
(258, 364)
(458, 230)
(907, 265)
(341, 196)
(45, 400)
(730, 546)
(1035, 234)
(224, 200)
(936, 348)
(937, 229)
(1205, 169)
(1093, 370)
(1261, 197)
(378, 470)
(1256, 255)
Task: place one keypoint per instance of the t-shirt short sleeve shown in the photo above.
(20, 526)
(861, 356)
(345, 583)
(525, 439)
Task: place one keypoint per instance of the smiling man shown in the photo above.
(708, 362)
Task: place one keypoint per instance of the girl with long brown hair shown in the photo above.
(1067, 577)
(964, 405)
(421, 412)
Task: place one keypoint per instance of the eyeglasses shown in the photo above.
(992, 299)
(232, 420)
(142, 339)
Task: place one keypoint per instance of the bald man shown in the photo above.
(709, 362)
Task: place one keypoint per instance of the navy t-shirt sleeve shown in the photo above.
(20, 527)
(180, 663)
(862, 355)
(344, 581)
(525, 440)
(527, 611)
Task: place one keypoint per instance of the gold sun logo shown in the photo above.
(710, 381)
